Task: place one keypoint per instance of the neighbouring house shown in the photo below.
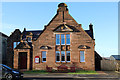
(115, 57)
(12, 41)
(111, 63)
(3, 46)
(62, 42)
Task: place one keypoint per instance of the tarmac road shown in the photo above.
(57, 76)
(71, 79)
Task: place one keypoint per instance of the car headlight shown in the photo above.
(15, 72)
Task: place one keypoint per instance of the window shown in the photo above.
(82, 56)
(62, 56)
(29, 39)
(57, 56)
(57, 39)
(68, 56)
(15, 44)
(68, 39)
(64, 53)
(43, 56)
(62, 39)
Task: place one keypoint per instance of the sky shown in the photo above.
(35, 15)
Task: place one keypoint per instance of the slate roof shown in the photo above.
(89, 33)
(35, 34)
(117, 57)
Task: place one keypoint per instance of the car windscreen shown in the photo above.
(6, 67)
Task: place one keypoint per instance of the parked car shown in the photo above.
(9, 73)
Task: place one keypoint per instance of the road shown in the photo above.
(71, 79)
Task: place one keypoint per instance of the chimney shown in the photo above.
(24, 29)
(91, 29)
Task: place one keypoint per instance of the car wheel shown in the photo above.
(9, 76)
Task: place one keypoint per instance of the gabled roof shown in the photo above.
(15, 33)
(117, 57)
(65, 28)
(23, 45)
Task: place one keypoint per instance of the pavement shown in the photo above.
(102, 75)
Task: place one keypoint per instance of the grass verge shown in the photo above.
(45, 72)
(83, 72)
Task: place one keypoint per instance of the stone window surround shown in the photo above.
(84, 55)
(42, 54)
(60, 50)
(65, 58)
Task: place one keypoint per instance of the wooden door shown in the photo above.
(23, 60)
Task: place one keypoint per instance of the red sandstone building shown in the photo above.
(62, 42)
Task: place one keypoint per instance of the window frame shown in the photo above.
(43, 57)
(67, 38)
(29, 38)
(66, 57)
(80, 56)
(57, 38)
(64, 35)
(65, 44)
(56, 56)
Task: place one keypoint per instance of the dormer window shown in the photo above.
(29, 39)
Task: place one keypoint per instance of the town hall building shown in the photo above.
(62, 42)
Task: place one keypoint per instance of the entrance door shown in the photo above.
(23, 60)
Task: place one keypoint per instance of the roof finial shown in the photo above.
(62, 7)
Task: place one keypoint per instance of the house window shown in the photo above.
(68, 39)
(68, 56)
(29, 39)
(57, 39)
(43, 56)
(62, 56)
(82, 56)
(57, 56)
(15, 44)
(62, 39)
